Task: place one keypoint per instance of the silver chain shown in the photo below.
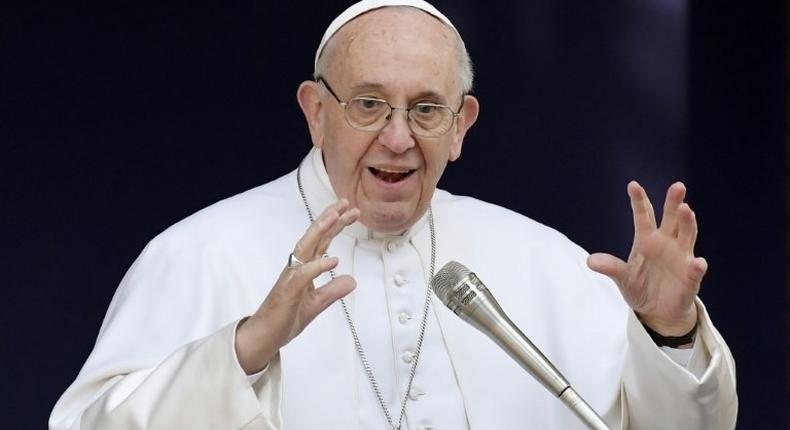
(358, 344)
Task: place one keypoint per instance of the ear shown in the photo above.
(466, 118)
(310, 101)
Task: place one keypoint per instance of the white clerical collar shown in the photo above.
(319, 193)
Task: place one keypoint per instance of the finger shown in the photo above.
(610, 266)
(346, 219)
(300, 279)
(675, 195)
(333, 291)
(651, 212)
(644, 217)
(699, 267)
(687, 227)
(306, 246)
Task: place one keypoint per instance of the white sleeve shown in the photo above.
(657, 389)
(255, 377)
(165, 355)
(694, 359)
(198, 386)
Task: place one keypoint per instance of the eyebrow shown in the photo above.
(373, 86)
(367, 86)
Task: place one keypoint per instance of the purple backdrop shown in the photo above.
(117, 120)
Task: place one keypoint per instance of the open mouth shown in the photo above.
(390, 176)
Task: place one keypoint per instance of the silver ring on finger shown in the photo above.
(293, 262)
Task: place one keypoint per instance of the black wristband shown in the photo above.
(671, 341)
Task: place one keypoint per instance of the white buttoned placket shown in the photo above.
(387, 307)
(390, 281)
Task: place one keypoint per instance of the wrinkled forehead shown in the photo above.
(366, 6)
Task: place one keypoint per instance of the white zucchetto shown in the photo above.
(367, 5)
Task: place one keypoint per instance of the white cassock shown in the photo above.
(164, 358)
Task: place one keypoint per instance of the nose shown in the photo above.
(396, 135)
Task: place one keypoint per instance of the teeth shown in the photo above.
(391, 171)
(390, 175)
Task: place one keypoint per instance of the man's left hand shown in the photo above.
(662, 276)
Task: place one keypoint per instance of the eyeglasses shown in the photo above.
(372, 114)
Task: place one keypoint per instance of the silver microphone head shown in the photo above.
(448, 278)
(456, 286)
(466, 296)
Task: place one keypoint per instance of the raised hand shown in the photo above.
(662, 275)
(294, 301)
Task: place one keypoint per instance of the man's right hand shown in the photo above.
(294, 301)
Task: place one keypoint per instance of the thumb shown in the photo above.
(699, 266)
(609, 265)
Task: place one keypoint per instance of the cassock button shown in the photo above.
(393, 246)
(426, 427)
(415, 394)
(408, 356)
(403, 317)
(400, 280)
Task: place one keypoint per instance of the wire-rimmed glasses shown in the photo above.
(372, 114)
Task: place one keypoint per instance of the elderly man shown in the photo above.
(388, 109)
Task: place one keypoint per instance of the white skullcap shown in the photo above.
(367, 5)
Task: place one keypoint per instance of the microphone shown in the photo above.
(466, 296)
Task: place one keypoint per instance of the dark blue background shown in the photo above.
(117, 120)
